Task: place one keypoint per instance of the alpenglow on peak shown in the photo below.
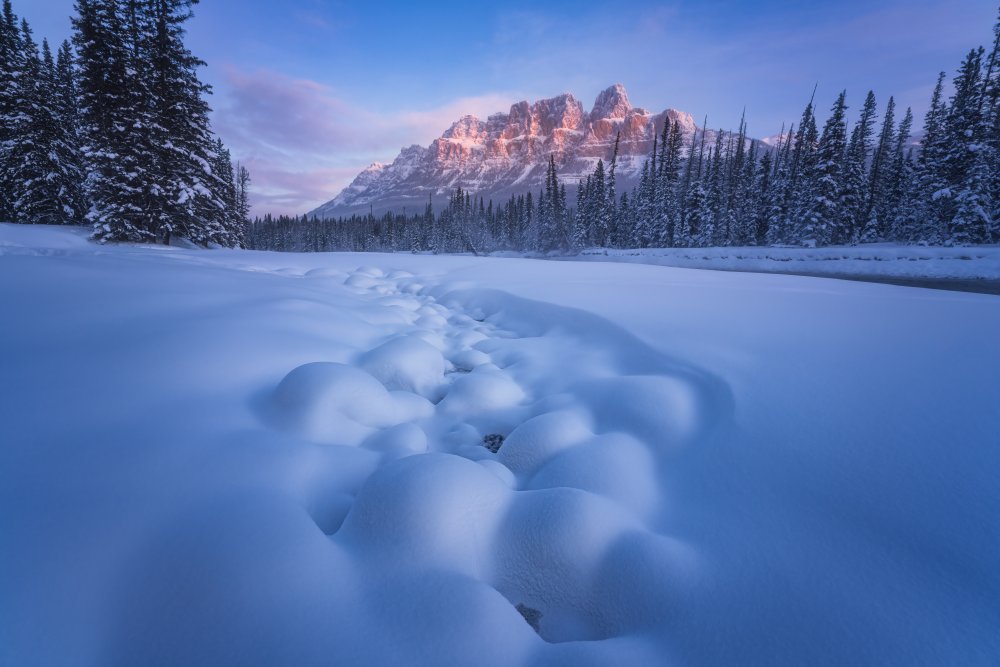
(507, 153)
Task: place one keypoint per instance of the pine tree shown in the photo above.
(991, 126)
(855, 196)
(711, 233)
(243, 198)
(643, 228)
(762, 201)
(823, 219)
(11, 64)
(44, 165)
(611, 199)
(111, 125)
(71, 160)
(965, 167)
(877, 209)
(598, 195)
(924, 216)
(225, 182)
(799, 198)
(780, 198)
(190, 206)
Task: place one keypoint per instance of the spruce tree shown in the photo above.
(596, 206)
(11, 64)
(112, 126)
(191, 206)
(964, 163)
(45, 166)
(877, 209)
(798, 185)
(924, 215)
(855, 196)
(822, 221)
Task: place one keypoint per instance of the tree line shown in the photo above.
(113, 130)
(814, 187)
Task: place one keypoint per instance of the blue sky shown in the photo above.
(308, 92)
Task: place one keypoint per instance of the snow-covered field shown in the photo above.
(228, 457)
(871, 260)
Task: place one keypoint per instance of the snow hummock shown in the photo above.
(231, 457)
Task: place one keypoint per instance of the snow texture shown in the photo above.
(231, 457)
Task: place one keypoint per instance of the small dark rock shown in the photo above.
(492, 442)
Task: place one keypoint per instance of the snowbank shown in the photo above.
(225, 457)
(865, 261)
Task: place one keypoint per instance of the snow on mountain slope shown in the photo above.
(230, 457)
(507, 153)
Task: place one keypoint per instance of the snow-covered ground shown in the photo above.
(871, 260)
(227, 457)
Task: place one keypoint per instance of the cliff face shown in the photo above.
(508, 152)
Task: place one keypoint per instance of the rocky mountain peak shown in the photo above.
(612, 102)
(507, 154)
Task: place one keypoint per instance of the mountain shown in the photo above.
(507, 153)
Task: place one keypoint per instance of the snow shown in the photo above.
(230, 457)
(871, 260)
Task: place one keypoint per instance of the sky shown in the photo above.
(309, 92)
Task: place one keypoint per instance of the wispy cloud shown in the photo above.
(303, 142)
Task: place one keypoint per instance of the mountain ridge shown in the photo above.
(507, 153)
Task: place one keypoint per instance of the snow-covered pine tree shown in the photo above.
(643, 205)
(991, 120)
(780, 195)
(611, 199)
(191, 206)
(626, 222)
(923, 215)
(580, 228)
(855, 195)
(115, 147)
(762, 198)
(74, 197)
(556, 232)
(243, 197)
(900, 176)
(711, 234)
(799, 186)
(598, 205)
(822, 219)
(685, 234)
(746, 204)
(44, 166)
(669, 177)
(964, 201)
(225, 184)
(876, 210)
(11, 63)
(22, 150)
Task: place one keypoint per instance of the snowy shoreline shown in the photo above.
(973, 268)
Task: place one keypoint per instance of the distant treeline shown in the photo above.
(813, 188)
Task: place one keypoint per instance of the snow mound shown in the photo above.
(407, 363)
(537, 440)
(339, 404)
